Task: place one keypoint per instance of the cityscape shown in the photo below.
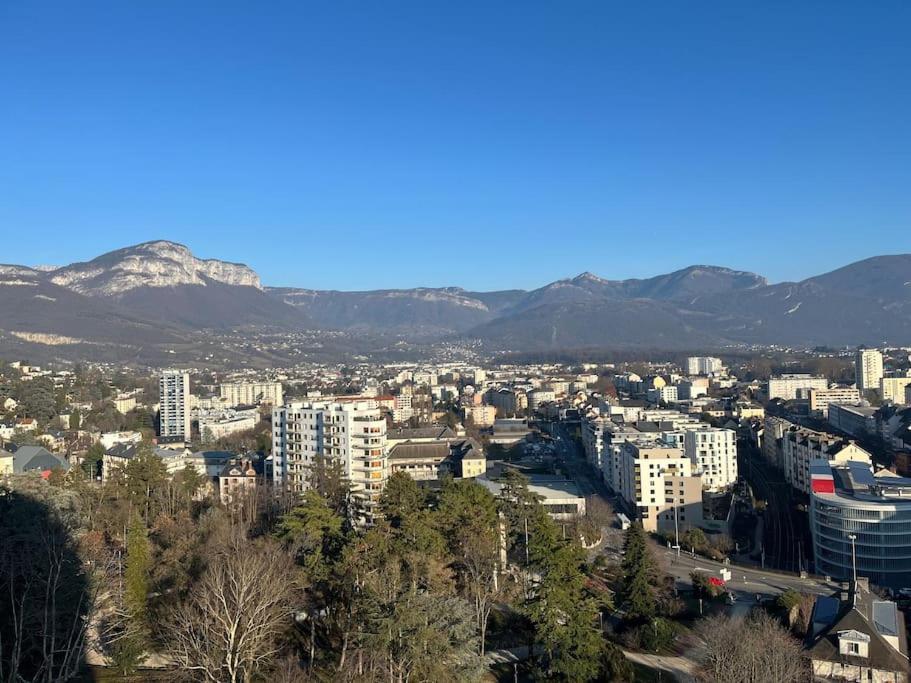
(503, 342)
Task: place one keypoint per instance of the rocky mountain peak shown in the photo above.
(159, 263)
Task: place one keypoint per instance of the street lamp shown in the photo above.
(852, 538)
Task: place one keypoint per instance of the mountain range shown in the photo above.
(154, 300)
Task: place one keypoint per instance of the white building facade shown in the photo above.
(352, 434)
(174, 404)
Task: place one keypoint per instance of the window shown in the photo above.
(854, 648)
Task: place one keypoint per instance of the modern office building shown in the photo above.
(174, 405)
(857, 516)
(251, 393)
(713, 453)
(855, 421)
(868, 369)
(786, 386)
(352, 434)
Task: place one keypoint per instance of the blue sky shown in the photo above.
(482, 144)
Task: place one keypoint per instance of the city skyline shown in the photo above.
(534, 143)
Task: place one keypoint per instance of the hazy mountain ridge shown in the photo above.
(159, 293)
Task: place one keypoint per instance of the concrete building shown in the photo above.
(893, 389)
(538, 397)
(251, 393)
(665, 394)
(459, 458)
(174, 404)
(786, 386)
(852, 420)
(560, 498)
(351, 434)
(480, 415)
(848, 500)
(704, 365)
(820, 399)
(713, 453)
(800, 447)
(124, 404)
(658, 482)
(215, 428)
(868, 369)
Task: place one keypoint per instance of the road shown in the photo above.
(746, 581)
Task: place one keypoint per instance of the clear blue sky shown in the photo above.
(482, 144)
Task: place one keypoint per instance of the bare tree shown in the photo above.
(229, 627)
(750, 650)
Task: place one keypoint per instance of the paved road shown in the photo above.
(680, 668)
(745, 582)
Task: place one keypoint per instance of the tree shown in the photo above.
(637, 593)
(145, 473)
(229, 627)
(91, 462)
(136, 575)
(563, 612)
(517, 503)
(401, 497)
(615, 667)
(75, 419)
(313, 532)
(740, 650)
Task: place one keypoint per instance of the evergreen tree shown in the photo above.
(637, 594)
(401, 498)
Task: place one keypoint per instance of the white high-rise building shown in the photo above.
(713, 452)
(868, 369)
(703, 365)
(351, 433)
(174, 404)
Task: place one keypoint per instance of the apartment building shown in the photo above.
(353, 434)
(480, 415)
(658, 482)
(174, 405)
(704, 365)
(820, 399)
(713, 453)
(800, 447)
(251, 393)
(786, 386)
(893, 388)
(868, 369)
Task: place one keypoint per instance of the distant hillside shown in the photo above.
(157, 299)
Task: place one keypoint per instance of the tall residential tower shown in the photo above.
(174, 404)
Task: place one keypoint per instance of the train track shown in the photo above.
(782, 539)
